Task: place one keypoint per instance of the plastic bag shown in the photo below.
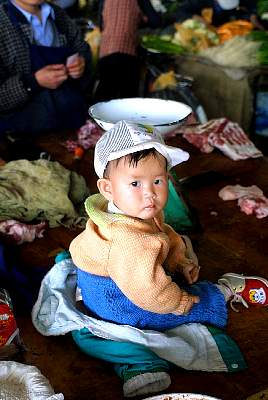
(10, 342)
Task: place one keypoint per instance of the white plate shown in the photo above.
(166, 115)
(182, 396)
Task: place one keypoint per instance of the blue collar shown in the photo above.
(46, 11)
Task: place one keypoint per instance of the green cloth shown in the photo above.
(129, 359)
(228, 349)
(176, 212)
(42, 190)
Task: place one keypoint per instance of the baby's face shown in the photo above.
(140, 191)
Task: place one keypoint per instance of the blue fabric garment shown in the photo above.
(21, 282)
(61, 108)
(129, 359)
(57, 109)
(44, 31)
(189, 346)
(45, 55)
(63, 255)
(105, 300)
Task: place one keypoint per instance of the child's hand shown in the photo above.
(195, 300)
(190, 271)
(186, 306)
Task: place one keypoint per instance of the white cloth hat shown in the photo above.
(228, 4)
(126, 138)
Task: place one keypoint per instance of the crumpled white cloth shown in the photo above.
(189, 346)
(24, 382)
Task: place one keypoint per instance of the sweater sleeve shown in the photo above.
(135, 265)
(15, 91)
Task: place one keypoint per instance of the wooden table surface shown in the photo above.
(227, 241)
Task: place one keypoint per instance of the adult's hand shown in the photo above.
(76, 69)
(51, 76)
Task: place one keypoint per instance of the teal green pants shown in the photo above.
(129, 359)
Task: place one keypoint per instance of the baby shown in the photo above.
(127, 258)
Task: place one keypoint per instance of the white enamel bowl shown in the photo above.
(182, 396)
(165, 115)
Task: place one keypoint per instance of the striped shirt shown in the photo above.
(121, 20)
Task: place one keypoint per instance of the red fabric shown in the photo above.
(255, 292)
(121, 19)
(8, 325)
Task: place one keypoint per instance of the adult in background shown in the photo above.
(44, 70)
(222, 10)
(70, 6)
(119, 67)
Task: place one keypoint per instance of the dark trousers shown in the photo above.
(119, 76)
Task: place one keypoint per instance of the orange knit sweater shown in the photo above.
(135, 254)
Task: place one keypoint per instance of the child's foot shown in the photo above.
(145, 383)
(248, 290)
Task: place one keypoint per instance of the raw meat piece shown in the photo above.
(223, 134)
(251, 199)
(214, 125)
(198, 134)
(234, 143)
(257, 206)
(233, 192)
(200, 141)
(21, 232)
(87, 136)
